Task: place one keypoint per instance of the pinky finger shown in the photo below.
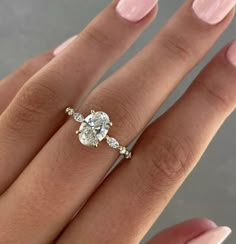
(195, 231)
(11, 84)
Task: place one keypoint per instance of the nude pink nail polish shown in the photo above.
(135, 10)
(64, 45)
(231, 54)
(214, 236)
(213, 11)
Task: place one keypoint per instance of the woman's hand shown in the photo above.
(46, 175)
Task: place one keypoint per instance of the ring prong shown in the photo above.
(92, 112)
(109, 125)
(77, 132)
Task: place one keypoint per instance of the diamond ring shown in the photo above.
(94, 129)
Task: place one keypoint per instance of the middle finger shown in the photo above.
(36, 114)
(130, 97)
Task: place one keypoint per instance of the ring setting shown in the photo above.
(94, 129)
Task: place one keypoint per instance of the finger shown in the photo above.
(195, 231)
(164, 156)
(129, 113)
(10, 85)
(42, 101)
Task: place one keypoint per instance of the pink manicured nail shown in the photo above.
(214, 236)
(64, 45)
(213, 11)
(231, 54)
(135, 10)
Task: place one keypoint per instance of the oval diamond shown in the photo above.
(94, 128)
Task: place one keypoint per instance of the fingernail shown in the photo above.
(135, 10)
(214, 236)
(63, 46)
(213, 11)
(231, 54)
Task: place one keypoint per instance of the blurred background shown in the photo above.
(29, 27)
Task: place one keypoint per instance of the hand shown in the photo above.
(50, 184)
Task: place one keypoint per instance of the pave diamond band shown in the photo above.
(94, 129)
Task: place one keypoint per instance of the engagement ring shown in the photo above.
(94, 129)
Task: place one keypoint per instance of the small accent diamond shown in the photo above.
(112, 142)
(128, 155)
(123, 150)
(78, 117)
(70, 111)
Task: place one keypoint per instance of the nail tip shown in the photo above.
(133, 11)
(227, 232)
(227, 229)
(216, 235)
(212, 12)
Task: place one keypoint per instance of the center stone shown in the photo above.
(94, 128)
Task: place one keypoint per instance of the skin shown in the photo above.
(46, 175)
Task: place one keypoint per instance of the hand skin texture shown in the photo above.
(53, 189)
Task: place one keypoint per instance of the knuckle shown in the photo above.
(35, 98)
(214, 95)
(33, 65)
(126, 119)
(170, 160)
(100, 38)
(177, 46)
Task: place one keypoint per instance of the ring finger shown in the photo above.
(135, 194)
